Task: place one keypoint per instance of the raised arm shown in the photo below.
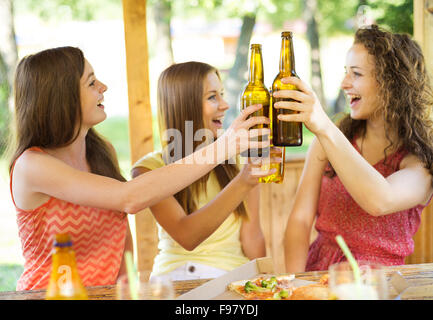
(377, 195)
(37, 174)
(252, 240)
(300, 222)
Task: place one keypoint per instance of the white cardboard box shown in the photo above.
(216, 289)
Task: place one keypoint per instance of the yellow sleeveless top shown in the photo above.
(222, 249)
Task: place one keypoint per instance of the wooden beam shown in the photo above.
(423, 34)
(140, 116)
(418, 21)
(423, 29)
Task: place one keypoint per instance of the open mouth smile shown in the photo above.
(354, 99)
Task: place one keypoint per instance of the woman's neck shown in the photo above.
(380, 130)
(73, 154)
(379, 137)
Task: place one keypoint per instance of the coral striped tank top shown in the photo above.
(98, 237)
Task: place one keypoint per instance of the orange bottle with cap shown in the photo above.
(65, 282)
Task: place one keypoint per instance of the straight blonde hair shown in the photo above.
(180, 99)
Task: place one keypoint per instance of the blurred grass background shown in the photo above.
(115, 129)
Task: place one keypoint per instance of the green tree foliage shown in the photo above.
(216, 9)
(279, 11)
(336, 16)
(395, 15)
(8, 58)
(4, 109)
(72, 9)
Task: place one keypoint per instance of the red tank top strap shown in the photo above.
(35, 149)
(398, 156)
(393, 159)
(12, 171)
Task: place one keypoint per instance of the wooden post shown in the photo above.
(423, 34)
(423, 29)
(140, 116)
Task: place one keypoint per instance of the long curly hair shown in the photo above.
(405, 93)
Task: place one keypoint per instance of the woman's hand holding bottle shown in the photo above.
(239, 137)
(311, 112)
(260, 167)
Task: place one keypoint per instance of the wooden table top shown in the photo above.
(419, 277)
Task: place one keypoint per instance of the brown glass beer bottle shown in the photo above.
(285, 134)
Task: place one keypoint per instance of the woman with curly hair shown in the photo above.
(369, 177)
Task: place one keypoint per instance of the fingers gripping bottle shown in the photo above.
(285, 134)
(255, 92)
(278, 176)
(65, 282)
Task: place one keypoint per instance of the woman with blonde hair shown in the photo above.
(211, 226)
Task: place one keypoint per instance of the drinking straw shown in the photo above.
(350, 258)
(132, 275)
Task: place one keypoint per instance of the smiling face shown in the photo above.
(214, 105)
(91, 97)
(360, 84)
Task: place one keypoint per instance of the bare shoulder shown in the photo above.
(32, 166)
(415, 164)
(413, 169)
(412, 161)
(29, 169)
(30, 161)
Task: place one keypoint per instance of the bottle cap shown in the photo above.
(286, 34)
(255, 45)
(62, 240)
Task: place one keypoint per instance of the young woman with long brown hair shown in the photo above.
(65, 177)
(368, 178)
(207, 228)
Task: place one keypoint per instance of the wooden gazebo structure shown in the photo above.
(273, 216)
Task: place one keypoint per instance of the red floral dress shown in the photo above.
(386, 240)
